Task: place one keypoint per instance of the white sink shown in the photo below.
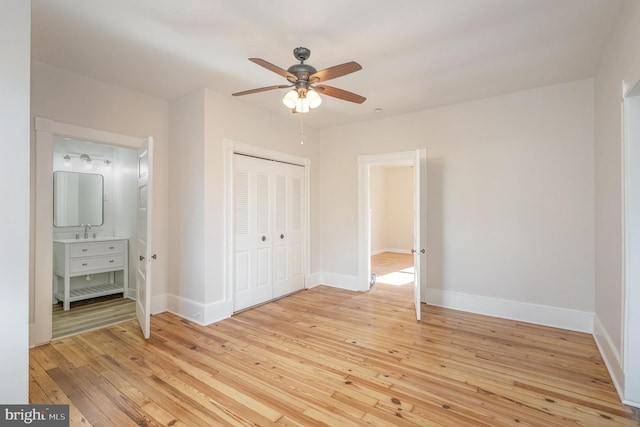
(89, 240)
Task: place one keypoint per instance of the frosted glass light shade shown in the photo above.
(302, 105)
(290, 99)
(313, 98)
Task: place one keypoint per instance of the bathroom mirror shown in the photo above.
(77, 199)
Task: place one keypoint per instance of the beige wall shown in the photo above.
(378, 208)
(399, 185)
(621, 55)
(391, 202)
(510, 194)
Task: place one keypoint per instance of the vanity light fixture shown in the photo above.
(86, 159)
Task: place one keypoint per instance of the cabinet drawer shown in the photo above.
(111, 262)
(98, 248)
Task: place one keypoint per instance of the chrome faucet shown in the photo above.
(87, 227)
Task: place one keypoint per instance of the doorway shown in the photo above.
(391, 196)
(367, 166)
(42, 296)
(107, 205)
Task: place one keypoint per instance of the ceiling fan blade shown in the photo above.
(269, 66)
(261, 89)
(335, 71)
(340, 94)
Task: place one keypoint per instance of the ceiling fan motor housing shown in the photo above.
(302, 72)
(301, 53)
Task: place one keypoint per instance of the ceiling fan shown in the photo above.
(303, 78)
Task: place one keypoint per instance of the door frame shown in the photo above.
(232, 147)
(631, 226)
(42, 242)
(402, 158)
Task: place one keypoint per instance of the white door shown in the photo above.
(252, 195)
(419, 228)
(288, 236)
(143, 268)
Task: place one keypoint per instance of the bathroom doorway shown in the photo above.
(94, 204)
(117, 251)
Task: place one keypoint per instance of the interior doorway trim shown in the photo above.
(403, 158)
(631, 230)
(232, 147)
(46, 129)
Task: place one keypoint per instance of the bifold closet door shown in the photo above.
(269, 230)
(288, 236)
(253, 258)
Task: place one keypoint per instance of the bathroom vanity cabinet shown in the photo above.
(73, 258)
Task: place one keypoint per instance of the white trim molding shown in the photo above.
(610, 355)
(573, 320)
(340, 281)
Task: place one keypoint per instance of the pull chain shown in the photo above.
(301, 129)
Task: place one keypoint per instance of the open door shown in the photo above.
(419, 253)
(144, 258)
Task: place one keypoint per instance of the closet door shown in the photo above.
(253, 260)
(288, 245)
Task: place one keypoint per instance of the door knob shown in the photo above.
(141, 258)
(422, 250)
(282, 236)
(264, 238)
(413, 251)
(154, 256)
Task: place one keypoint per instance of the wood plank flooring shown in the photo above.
(330, 357)
(86, 315)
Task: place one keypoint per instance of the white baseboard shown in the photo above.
(186, 308)
(556, 317)
(202, 314)
(341, 281)
(396, 251)
(610, 355)
(159, 303)
(32, 334)
(217, 311)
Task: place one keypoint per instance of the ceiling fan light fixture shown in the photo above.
(294, 101)
(302, 105)
(314, 99)
(290, 99)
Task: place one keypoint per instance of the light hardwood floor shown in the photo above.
(91, 314)
(331, 357)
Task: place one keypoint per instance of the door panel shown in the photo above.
(143, 269)
(419, 228)
(288, 232)
(252, 232)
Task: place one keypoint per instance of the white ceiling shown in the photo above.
(416, 54)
